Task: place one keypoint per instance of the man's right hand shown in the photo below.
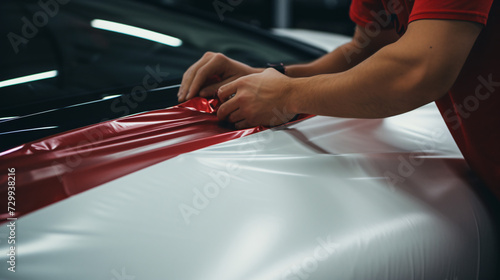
(209, 73)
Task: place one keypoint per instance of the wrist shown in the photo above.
(294, 88)
(280, 67)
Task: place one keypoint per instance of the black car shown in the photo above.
(68, 64)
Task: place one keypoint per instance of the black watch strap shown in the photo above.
(280, 67)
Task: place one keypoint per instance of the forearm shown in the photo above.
(418, 68)
(415, 70)
(339, 60)
(347, 56)
(390, 82)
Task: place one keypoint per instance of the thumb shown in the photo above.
(211, 90)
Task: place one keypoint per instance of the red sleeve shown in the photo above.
(362, 11)
(469, 10)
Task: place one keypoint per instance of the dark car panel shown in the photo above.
(91, 61)
(87, 50)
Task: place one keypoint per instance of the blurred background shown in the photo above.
(323, 15)
(64, 59)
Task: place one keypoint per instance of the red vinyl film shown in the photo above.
(57, 167)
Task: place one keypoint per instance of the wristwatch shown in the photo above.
(280, 67)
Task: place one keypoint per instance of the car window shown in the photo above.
(87, 47)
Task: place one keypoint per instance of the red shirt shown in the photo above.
(471, 109)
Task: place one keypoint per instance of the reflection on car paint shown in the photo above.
(29, 78)
(29, 129)
(136, 32)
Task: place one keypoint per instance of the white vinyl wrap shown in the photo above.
(325, 198)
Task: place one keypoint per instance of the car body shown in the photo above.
(92, 51)
(166, 191)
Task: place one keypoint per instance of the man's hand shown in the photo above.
(259, 99)
(209, 73)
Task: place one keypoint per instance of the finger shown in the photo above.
(227, 90)
(211, 90)
(204, 73)
(215, 66)
(236, 116)
(227, 108)
(189, 75)
(242, 125)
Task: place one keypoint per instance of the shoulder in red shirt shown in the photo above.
(471, 109)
